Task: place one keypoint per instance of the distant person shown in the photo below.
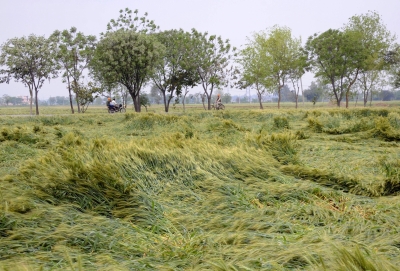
(113, 103)
(110, 103)
(218, 101)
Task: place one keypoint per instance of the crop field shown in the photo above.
(240, 189)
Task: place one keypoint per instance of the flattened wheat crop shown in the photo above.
(232, 190)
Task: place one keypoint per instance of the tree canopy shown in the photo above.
(74, 52)
(211, 57)
(30, 60)
(128, 58)
(176, 70)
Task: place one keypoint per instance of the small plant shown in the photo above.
(283, 147)
(281, 122)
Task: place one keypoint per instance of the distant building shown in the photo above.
(25, 99)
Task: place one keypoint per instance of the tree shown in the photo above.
(87, 94)
(392, 58)
(297, 70)
(211, 57)
(74, 52)
(254, 68)
(226, 98)
(175, 71)
(315, 91)
(185, 92)
(337, 57)
(387, 95)
(155, 94)
(376, 40)
(282, 56)
(128, 58)
(29, 60)
(125, 21)
(144, 101)
(7, 99)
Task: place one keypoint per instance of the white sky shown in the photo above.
(231, 19)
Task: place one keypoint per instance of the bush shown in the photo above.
(283, 147)
(281, 122)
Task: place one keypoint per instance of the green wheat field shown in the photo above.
(240, 189)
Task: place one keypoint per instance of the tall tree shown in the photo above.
(337, 57)
(211, 57)
(28, 60)
(128, 58)
(376, 40)
(74, 52)
(175, 71)
(392, 58)
(254, 67)
(282, 52)
(297, 70)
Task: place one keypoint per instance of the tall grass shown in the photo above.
(232, 190)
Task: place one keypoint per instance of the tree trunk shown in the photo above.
(203, 98)
(30, 105)
(209, 102)
(169, 101)
(365, 97)
(136, 103)
(36, 102)
(370, 100)
(70, 96)
(166, 107)
(259, 99)
(279, 97)
(184, 98)
(302, 91)
(31, 99)
(77, 104)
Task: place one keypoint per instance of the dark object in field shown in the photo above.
(120, 108)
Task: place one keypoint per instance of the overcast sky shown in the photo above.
(231, 19)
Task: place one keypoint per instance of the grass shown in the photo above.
(240, 189)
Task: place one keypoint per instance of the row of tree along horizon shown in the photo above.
(360, 57)
(312, 94)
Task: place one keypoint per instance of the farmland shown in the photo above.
(240, 189)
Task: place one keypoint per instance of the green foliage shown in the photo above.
(281, 122)
(19, 134)
(128, 58)
(282, 60)
(384, 130)
(357, 260)
(126, 22)
(336, 57)
(176, 70)
(283, 146)
(391, 169)
(29, 60)
(74, 52)
(340, 123)
(211, 56)
(182, 191)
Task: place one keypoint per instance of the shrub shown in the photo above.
(283, 147)
(384, 130)
(281, 122)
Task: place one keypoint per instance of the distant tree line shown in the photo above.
(357, 60)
